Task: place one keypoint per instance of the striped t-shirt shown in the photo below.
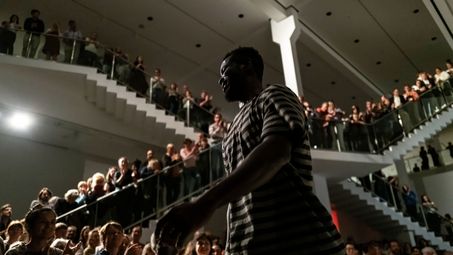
(283, 216)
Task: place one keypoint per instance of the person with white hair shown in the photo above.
(428, 251)
(68, 203)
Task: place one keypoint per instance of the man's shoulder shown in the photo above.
(277, 90)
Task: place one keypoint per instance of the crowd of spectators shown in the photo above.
(73, 47)
(40, 233)
(355, 131)
(392, 247)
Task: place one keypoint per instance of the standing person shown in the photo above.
(43, 198)
(434, 156)
(189, 153)
(424, 156)
(52, 45)
(410, 200)
(262, 180)
(6, 211)
(157, 87)
(137, 79)
(72, 41)
(33, 27)
(12, 28)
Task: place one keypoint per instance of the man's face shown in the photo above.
(123, 163)
(349, 250)
(394, 247)
(136, 233)
(149, 154)
(7, 212)
(44, 227)
(233, 79)
(72, 232)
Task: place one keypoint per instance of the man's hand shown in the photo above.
(181, 221)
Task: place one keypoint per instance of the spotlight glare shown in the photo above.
(20, 121)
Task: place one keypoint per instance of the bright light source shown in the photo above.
(20, 121)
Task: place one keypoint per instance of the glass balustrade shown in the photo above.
(150, 196)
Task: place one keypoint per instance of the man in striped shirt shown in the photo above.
(272, 209)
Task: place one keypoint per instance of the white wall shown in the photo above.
(438, 188)
(27, 166)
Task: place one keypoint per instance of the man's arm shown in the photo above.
(257, 169)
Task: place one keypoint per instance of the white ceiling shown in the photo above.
(389, 32)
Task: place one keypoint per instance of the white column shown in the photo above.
(285, 33)
(322, 190)
(403, 175)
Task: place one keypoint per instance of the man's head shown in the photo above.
(82, 186)
(35, 13)
(428, 251)
(149, 155)
(123, 163)
(240, 72)
(44, 195)
(61, 229)
(72, 25)
(349, 248)
(71, 195)
(394, 247)
(40, 223)
(112, 235)
(6, 210)
(72, 233)
(136, 234)
(170, 148)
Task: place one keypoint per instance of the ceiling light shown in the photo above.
(20, 121)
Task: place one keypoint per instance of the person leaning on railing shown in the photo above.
(34, 27)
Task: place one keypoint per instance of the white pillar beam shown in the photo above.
(285, 33)
(321, 190)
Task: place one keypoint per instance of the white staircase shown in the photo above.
(419, 136)
(352, 198)
(123, 104)
(116, 100)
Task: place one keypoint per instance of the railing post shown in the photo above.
(423, 216)
(29, 44)
(158, 195)
(393, 196)
(112, 71)
(96, 214)
(188, 112)
(73, 51)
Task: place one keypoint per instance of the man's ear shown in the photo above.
(247, 67)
